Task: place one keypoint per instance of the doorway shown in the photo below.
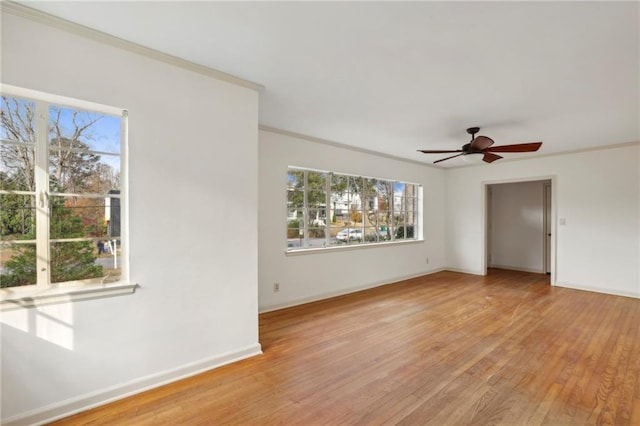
(518, 225)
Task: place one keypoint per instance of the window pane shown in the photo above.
(16, 168)
(385, 192)
(74, 136)
(83, 217)
(295, 228)
(17, 264)
(371, 235)
(316, 216)
(17, 155)
(84, 172)
(349, 235)
(79, 260)
(317, 233)
(333, 232)
(358, 210)
(317, 180)
(404, 232)
(84, 130)
(295, 179)
(18, 122)
(295, 199)
(17, 217)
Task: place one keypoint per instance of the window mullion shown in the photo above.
(305, 208)
(41, 174)
(328, 213)
(392, 202)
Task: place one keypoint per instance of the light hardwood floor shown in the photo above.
(444, 349)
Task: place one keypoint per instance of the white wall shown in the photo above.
(596, 192)
(193, 193)
(517, 233)
(305, 277)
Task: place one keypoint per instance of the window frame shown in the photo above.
(44, 291)
(363, 201)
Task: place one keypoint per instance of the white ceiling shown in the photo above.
(395, 77)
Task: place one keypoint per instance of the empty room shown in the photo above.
(320, 213)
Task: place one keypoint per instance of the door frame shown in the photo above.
(547, 205)
(486, 211)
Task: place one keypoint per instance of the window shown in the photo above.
(326, 209)
(62, 215)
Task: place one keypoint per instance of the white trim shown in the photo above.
(602, 290)
(23, 11)
(31, 296)
(331, 294)
(104, 396)
(300, 251)
(311, 169)
(58, 100)
(547, 205)
(308, 138)
(124, 196)
(554, 184)
(44, 292)
(516, 268)
(552, 154)
(465, 271)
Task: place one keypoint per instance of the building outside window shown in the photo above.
(61, 176)
(326, 209)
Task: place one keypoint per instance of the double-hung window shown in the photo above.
(62, 206)
(326, 209)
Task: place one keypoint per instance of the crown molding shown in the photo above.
(20, 10)
(420, 163)
(555, 154)
(342, 145)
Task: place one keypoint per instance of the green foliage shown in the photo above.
(74, 261)
(400, 232)
(73, 169)
(69, 260)
(16, 212)
(316, 188)
(21, 267)
(293, 228)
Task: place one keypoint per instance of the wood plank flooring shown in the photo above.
(444, 349)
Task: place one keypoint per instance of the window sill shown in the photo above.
(303, 251)
(17, 298)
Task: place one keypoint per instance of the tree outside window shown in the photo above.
(331, 209)
(59, 178)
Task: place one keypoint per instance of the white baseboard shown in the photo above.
(610, 291)
(350, 290)
(104, 396)
(516, 268)
(465, 271)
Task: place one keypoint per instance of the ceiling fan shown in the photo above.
(483, 145)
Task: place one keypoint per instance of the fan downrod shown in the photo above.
(472, 131)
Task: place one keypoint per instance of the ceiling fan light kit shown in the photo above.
(471, 151)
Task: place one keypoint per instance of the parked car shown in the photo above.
(349, 235)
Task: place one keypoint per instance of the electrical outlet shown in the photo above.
(276, 287)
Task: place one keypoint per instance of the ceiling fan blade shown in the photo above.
(521, 147)
(481, 142)
(490, 158)
(448, 158)
(437, 151)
